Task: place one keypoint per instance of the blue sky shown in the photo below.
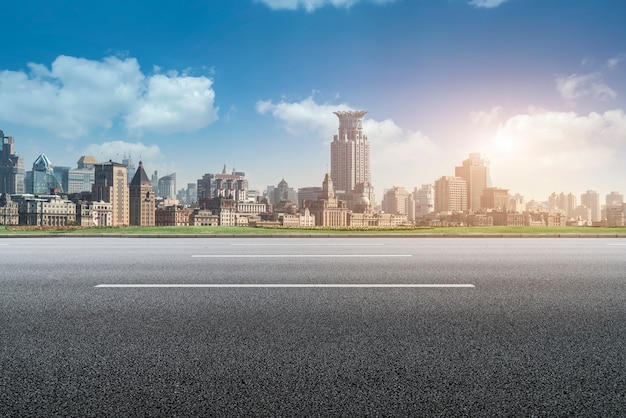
(538, 86)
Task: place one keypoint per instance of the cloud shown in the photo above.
(543, 151)
(614, 63)
(174, 104)
(312, 5)
(397, 155)
(116, 150)
(486, 4)
(485, 118)
(575, 86)
(76, 95)
(304, 117)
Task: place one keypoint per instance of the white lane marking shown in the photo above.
(307, 245)
(296, 255)
(294, 285)
(616, 245)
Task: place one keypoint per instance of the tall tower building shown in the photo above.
(350, 152)
(142, 199)
(591, 200)
(475, 173)
(11, 167)
(110, 186)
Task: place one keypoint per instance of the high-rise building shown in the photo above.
(396, 201)
(282, 193)
(110, 186)
(475, 172)
(495, 198)
(591, 200)
(11, 167)
(130, 167)
(233, 186)
(81, 178)
(424, 200)
(167, 186)
(614, 199)
(450, 194)
(350, 152)
(141, 196)
(42, 179)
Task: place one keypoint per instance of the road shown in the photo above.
(532, 327)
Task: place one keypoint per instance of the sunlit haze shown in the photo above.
(538, 87)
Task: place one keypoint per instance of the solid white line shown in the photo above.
(307, 245)
(293, 285)
(296, 255)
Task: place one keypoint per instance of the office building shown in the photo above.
(424, 200)
(450, 194)
(141, 198)
(11, 167)
(282, 193)
(81, 178)
(495, 198)
(167, 186)
(42, 180)
(397, 201)
(110, 186)
(350, 152)
(591, 200)
(475, 172)
(232, 186)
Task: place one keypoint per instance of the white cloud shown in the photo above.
(486, 4)
(303, 117)
(544, 151)
(485, 118)
(576, 86)
(311, 5)
(174, 104)
(116, 150)
(398, 157)
(614, 63)
(76, 95)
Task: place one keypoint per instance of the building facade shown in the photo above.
(495, 198)
(424, 200)
(591, 200)
(350, 152)
(9, 210)
(141, 199)
(450, 194)
(11, 167)
(475, 172)
(110, 186)
(167, 186)
(327, 210)
(231, 186)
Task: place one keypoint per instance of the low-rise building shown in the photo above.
(45, 210)
(172, 216)
(9, 210)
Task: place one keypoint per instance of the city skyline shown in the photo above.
(536, 87)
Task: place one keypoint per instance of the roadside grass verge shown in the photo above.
(223, 230)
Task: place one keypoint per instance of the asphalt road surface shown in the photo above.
(267, 327)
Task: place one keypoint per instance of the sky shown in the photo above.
(537, 86)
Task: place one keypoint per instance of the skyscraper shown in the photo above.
(111, 186)
(11, 167)
(591, 199)
(475, 173)
(350, 152)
